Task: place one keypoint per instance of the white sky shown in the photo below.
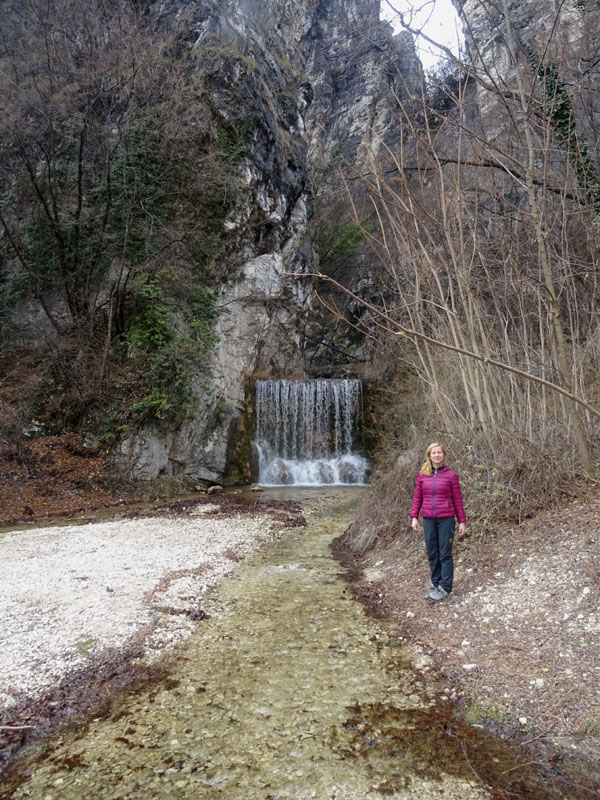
(437, 18)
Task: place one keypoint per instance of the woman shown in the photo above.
(439, 499)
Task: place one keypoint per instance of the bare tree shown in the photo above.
(487, 238)
(115, 177)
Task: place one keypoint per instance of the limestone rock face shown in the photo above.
(359, 70)
(538, 24)
(564, 35)
(305, 79)
(315, 83)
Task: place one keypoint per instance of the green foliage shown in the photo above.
(165, 357)
(201, 315)
(150, 328)
(19, 286)
(123, 170)
(337, 241)
(120, 218)
(107, 426)
(16, 288)
(164, 314)
(232, 142)
(140, 184)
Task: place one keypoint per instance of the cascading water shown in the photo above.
(304, 432)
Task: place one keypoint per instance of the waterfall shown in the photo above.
(305, 432)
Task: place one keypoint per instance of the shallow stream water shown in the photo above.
(288, 691)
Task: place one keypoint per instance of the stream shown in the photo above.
(288, 690)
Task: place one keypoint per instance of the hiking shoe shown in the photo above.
(436, 594)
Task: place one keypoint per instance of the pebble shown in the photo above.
(50, 615)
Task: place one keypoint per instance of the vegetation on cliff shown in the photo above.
(117, 177)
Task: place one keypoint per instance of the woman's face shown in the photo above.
(437, 457)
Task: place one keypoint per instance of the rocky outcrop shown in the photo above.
(359, 70)
(309, 82)
(563, 35)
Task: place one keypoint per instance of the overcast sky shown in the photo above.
(437, 18)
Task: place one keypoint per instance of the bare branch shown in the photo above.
(402, 330)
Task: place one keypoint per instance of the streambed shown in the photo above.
(288, 691)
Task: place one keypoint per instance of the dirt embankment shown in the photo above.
(57, 476)
(518, 641)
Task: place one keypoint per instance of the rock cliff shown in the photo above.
(563, 35)
(310, 82)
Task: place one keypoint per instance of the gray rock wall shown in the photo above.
(320, 81)
(564, 34)
(313, 78)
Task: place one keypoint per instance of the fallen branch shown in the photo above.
(535, 738)
(16, 727)
(526, 764)
(462, 742)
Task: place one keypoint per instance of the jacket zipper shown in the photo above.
(435, 472)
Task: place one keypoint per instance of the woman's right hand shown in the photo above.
(414, 523)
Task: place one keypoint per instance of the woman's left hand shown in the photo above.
(461, 529)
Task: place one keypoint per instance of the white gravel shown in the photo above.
(69, 593)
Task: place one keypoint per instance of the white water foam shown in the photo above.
(305, 433)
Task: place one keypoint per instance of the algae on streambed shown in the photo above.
(289, 691)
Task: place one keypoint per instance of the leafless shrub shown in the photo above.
(485, 239)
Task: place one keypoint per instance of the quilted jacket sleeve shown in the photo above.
(417, 497)
(457, 499)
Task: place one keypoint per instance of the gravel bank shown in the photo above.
(70, 594)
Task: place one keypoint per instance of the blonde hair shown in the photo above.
(427, 467)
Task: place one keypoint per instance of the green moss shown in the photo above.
(480, 711)
(84, 646)
(240, 466)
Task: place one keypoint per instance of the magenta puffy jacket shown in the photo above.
(438, 495)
